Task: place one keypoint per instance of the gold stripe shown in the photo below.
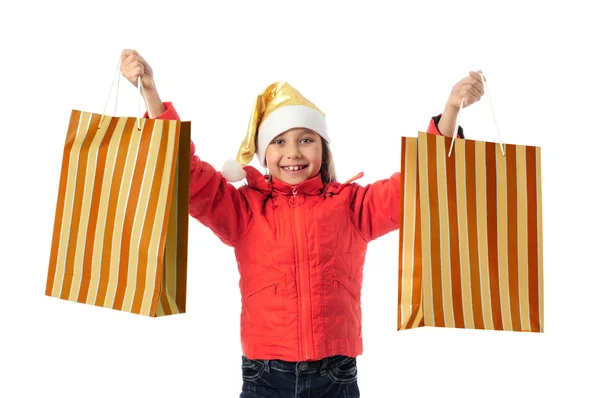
(416, 294)
(135, 262)
(171, 238)
(472, 242)
(171, 253)
(109, 269)
(172, 263)
(539, 236)
(402, 250)
(446, 272)
(417, 319)
(406, 281)
(522, 236)
(463, 240)
(101, 227)
(74, 231)
(146, 237)
(491, 171)
(512, 234)
(86, 191)
(131, 211)
(165, 297)
(454, 244)
(121, 207)
(69, 204)
(482, 233)
(155, 255)
(159, 309)
(60, 202)
(99, 175)
(503, 237)
(183, 193)
(423, 172)
(435, 233)
(533, 262)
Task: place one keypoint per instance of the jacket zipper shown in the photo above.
(304, 333)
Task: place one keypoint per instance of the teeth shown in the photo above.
(293, 168)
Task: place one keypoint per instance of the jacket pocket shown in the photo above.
(263, 301)
(340, 308)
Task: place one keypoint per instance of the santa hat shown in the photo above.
(278, 108)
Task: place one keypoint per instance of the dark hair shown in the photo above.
(327, 165)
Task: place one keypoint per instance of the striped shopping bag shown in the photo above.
(470, 236)
(121, 224)
(471, 233)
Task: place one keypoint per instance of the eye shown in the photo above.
(307, 140)
(277, 142)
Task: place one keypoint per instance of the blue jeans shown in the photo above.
(329, 377)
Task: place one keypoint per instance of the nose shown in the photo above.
(294, 152)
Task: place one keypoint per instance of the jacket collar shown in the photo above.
(257, 180)
(314, 186)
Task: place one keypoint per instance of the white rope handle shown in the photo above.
(117, 77)
(462, 103)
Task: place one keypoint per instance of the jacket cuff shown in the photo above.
(433, 127)
(169, 114)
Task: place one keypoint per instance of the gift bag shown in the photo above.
(121, 224)
(471, 235)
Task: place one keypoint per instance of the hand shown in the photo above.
(470, 88)
(133, 65)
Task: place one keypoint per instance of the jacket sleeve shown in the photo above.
(213, 200)
(375, 209)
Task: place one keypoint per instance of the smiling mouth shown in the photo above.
(294, 168)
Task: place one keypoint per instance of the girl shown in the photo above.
(300, 237)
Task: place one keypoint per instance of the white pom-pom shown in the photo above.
(233, 171)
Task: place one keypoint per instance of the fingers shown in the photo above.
(473, 82)
(471, 97)
(470, 88)
(125, 53)
(132, 68)
(129, 58)
(135, 67)
(476, 75)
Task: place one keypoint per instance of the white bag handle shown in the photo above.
(117, 76)
(462, 102)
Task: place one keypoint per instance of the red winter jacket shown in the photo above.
(300, 253)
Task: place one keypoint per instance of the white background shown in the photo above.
(379, 72)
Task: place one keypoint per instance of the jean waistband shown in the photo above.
(299, 367)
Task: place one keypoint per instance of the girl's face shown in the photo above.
(295, 156)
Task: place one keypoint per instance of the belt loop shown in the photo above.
(324, 366)
(267, 368)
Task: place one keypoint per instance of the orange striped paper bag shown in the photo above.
(121, 225)
(471, 235)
